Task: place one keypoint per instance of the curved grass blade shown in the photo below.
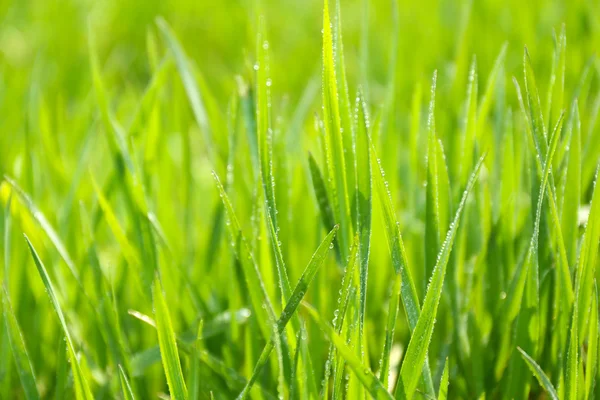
(364, 374)
(40, 218)
(18, 349)
(416, 352)
(82, 390)
(168, 345)
(254, 281)
(539, 374)
(125, 386)
(290, 308)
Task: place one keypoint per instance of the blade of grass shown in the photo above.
(334, 139)
(592, 348)
(363, 201)
(125, 386)
(82, 390)
(443, 392)
(168, 345)
(18, 349)
(540, 375)
(291, 306)
(364, 374)
(416, 352)
(408, 291)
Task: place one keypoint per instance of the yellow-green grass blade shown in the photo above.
(523, 296)
(290, 308)
(18, 349)
(539, 374)
(82, 390)
(394, 304)
(189, 82)
(571, 380)
(364, 374)
(433, 235)
(572, 192)
(408, 291)
(444, 381)
(416, 353)
(588, 256)
(168, 345)
(45, 225)
(334, 139)
(125, 386)
(592, 348)
(254, 281)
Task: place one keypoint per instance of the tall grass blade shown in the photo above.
(168, 345)
(364, 374)
(416, 352)
(291, 306)
(18, 349)
(82, 390)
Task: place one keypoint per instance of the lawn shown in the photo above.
(299, 200)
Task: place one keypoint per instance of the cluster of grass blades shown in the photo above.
(305, 271)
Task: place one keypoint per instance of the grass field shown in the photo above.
(299, 200)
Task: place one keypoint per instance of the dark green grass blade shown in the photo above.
(363, 201)
(416, 352)
(540, 375)
(18, 349)
(364, 374)
(82, 390)
(125, 386)
(168, 345)
(290, 308)
(322, 197)
(408, 291)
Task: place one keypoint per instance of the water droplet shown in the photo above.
(269, 82)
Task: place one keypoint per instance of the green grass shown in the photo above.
(252, 199)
